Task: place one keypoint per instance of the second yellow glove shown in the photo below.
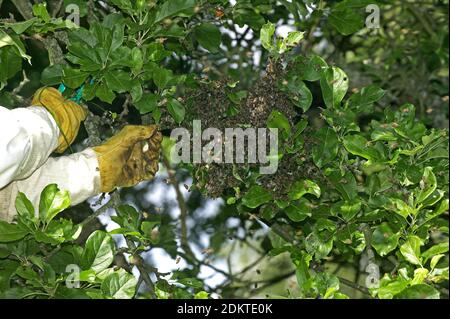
(67, 114)
(129, 157)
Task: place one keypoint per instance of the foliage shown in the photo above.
(40, 257)
(362, 178)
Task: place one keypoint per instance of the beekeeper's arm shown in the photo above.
(126, 159)
(29, 135)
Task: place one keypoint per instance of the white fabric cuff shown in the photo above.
(78, 173)
(29, 136)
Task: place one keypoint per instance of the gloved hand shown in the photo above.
(67, 114)
(129, 157)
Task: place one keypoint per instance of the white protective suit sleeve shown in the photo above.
(29, 170)
(27, 138)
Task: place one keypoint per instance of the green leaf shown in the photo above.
(52, 202)
(305, 98)
(435, 250)
(346, 21)
(4, 252)
(436, 196)
(161, 77)
(441, 208)
(401, 208)
(293, 39)
(201, 295)
(89, 91)
(435, 259)
(98, 252)
(137, 60)
(392, 289)
(256, 196)
(82, 36)
(176, 110)
(302, 269)
(40, 11)
(156, 52)
(148, 226)
(419, 276)
(13, 40)
(350, 209)
(298, 92)
(10, 63)
(300, 188)
(191, 282)
(129, 215)
(345, 184)
(24, 207)
(156, 114)
(384, 240)
(209, 37)
(52, 75)
(358, 145)
(421, 291)
(105, 94)
(382, 135)
(73, 78)
(53, 237)
(317, 246)
(125, 5)
(22, 26)
(8, 268)
(84, 55)
(147, 103)
(266, 36)
(136, 91)
(279, 120)
(11, 232)
(248, 15)
(118, 81)
(119, 285)
(172, 8)
(309, 68)
(363, 100)
(327, 146)
(117, 36)
(299, 210)
(237, 97)
(334, 85)
(427, 185)
(411, 250)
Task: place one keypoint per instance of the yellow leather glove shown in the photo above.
(67, 114)
(129, 157)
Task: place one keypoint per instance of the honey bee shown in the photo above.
(219, 13)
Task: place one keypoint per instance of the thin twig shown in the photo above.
(140, 264)
(183, 210)
(24, 7)
(113, 202)
(269, 282)
(125, 106)
(22, 83)
(57, 8)
(354, 285)
(251, 265)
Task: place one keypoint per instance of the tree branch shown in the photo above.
(354, 285)
(141, 266)
(24, 7)
(22, 83)
(112, 203)
(183, 210)
(57, 8)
